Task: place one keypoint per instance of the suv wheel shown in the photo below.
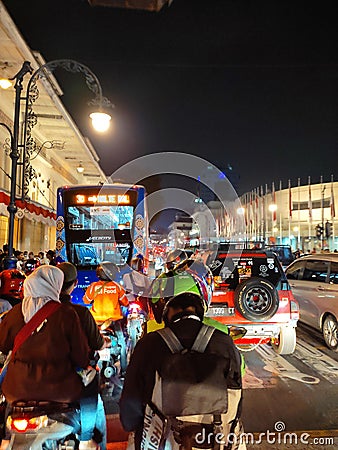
(256, 299)
(286, 343)
(330, 332)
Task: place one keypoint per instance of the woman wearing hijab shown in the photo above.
(44, 366)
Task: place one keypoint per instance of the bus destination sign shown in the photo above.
(105, 199)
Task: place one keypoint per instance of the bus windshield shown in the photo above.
(99, 233)
(100, 217)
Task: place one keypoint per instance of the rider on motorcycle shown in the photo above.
(44, 366)
(183, 275)
(11, 286)
(93, 421)
(106, 298)
(137, 285)
(187, 275)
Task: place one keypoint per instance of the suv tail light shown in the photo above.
(294, 307)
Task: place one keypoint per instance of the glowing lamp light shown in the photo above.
(241, 211)
(100, 121)
(80, 168)
(273, 207)
(5, 83)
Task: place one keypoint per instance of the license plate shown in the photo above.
(104, 354)
(216, 311)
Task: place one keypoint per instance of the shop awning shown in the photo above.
(29, 210)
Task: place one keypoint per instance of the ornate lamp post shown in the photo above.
(28, 147)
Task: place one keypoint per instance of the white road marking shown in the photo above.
(277, 364)
(312, 357)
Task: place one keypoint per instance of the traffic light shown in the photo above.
(319, 231)
(328, 229)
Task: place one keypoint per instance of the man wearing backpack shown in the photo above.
(196, 386)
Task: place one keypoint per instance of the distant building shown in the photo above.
(179, 231)
(294, 215)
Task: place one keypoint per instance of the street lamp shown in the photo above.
(29, 145)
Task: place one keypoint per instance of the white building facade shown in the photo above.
(304, 216)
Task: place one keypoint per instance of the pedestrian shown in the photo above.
(50, 255)
(20, 264)
(106, 298)
(93, 420)
(31, 263)
(43, 260)
(3, 257)
(183, 314)
(44, 366)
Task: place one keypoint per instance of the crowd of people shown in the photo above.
(27, 261)
(57, 364)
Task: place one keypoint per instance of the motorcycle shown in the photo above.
(31, 425)
(136, 321)
(111, 359)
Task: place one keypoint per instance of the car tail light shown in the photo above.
(21, 425)
(294, 307)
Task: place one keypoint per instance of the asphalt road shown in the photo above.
(295, 394)
(289, 402)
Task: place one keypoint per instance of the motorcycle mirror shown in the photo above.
(237, 332)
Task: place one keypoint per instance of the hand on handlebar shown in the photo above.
(106, 343)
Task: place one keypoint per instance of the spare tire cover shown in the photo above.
(256, 299)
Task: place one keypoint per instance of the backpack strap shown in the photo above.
(203, 338)
(170, 339)
(200, 344)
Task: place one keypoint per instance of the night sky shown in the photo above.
(253, 84)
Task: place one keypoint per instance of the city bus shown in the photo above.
(100, 223)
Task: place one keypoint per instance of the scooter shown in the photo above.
(30, 425)
(109, 362)
(136, 320)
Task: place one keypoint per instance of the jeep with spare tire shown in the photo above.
(252, 291)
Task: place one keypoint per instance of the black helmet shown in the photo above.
(107, 271)
(184, 300)
(69, 272)
(175, 257)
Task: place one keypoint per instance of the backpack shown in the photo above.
(191, 381)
